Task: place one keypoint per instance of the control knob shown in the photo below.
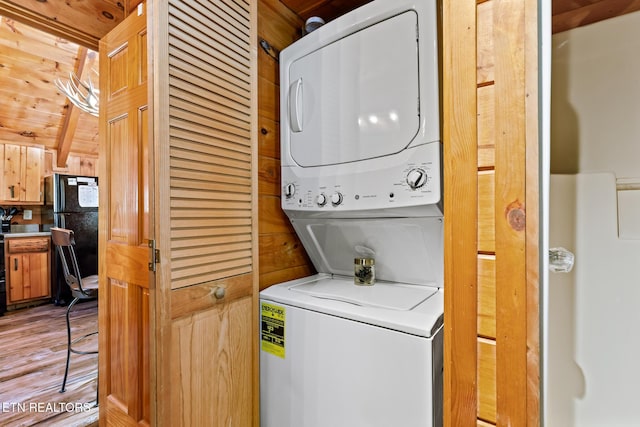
(289, 190)
(336, 199)
(321, 200)
(416, 178)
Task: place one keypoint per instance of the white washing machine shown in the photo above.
(337, 354)
(361, 177)
(351, 356)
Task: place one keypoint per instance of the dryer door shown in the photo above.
(356, 98)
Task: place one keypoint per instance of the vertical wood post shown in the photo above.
(460, 207)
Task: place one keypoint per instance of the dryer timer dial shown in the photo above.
(321, 200)
(416, 178)
(336, 198)
(289, 190)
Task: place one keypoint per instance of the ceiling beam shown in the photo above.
(594, 11)
(83, 23)
(70, 121)
(23, 14)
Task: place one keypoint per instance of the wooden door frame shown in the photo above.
(508, 44)
(160, 301)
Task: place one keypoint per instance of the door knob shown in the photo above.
(560, 260)
(218, 292)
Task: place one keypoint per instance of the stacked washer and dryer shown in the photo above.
(361, 174)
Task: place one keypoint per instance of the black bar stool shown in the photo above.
(82, 288)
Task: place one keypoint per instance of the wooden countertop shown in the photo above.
(26, 234)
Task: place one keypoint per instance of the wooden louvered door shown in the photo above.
(208, 281)
(199, 210)
(124, 226)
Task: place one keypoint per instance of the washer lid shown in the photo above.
(416, 310)
(406, 250)
(389, 295)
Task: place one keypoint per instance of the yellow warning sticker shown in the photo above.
(272, 329)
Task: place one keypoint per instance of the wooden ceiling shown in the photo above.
(326, 9)
(80, 21)
(566, 14)
(41, 40)
(32, 109)
(45, 40)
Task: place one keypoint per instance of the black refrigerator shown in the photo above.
(71, 201)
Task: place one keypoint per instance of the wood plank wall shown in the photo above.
(77, 164)
(492, 121)
(281, 255)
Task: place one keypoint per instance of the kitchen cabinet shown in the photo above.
(27, 265)
(22, 173)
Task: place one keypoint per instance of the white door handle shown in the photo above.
(295, 105)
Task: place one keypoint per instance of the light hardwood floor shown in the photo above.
(33, 350)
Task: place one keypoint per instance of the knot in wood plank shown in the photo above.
(516, 216)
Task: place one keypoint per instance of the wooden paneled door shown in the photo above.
(124, 225)
(179, 175)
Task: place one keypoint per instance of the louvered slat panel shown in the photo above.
(196, 115)
(197, 193)
(187, 150)
(186, 123)
(227, 172)
(195, 77)
(207, 176)
(214, 186)
(189, 214)
(212, 222)
(210, 154)
(213, 231)
(212, 65)
(235, 10)
(208, 241)
(215, 55)
(228, 157)
(184, 277)
(204, 138)
(190, 74)
(216, 110)
(210, 204)
(228, 16)
(189, 252)
(207, 25)
(221, 255)
(201, 41)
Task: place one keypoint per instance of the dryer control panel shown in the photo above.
(409, 183)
